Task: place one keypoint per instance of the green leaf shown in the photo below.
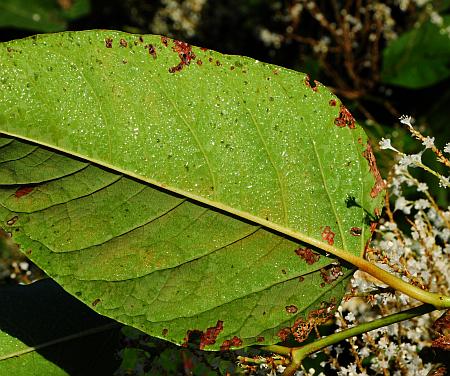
(41, 15)
(419, 57)
(45, 331)
(172, 196)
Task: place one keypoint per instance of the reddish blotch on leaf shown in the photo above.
(23, 191)
(345, 118)
(328, 235)
(233, 342)
(379, 183)
(308, 255)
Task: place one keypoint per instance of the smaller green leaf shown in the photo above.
(41, 15)
(418, 58)
(45, 331)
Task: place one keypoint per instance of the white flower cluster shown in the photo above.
(184, 15)
(419, 255)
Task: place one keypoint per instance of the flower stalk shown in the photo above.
(297, 354)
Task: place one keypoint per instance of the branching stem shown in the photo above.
(297, 354)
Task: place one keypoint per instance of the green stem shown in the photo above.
(299, 353)
(438, 300)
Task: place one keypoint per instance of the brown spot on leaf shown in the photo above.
(233, 342)
(301, 278)
(379, 183)
(442, 324)
(308, 83)
(151, 50)
(203, 48)
(177, 68)
(345, 118)
(356, 231)
(184, 51)
(291, 309)
(308, 255)
(442, 342)
(210, 335)
(330, 273)
(164, 41)
(332, 102)
(302, 328)
(440, 371)
(260, 339)
(141, 39)
(199, 62)
(23, 191)
(218, 63)
(328, 235)
(123, 42)
(225, 346)
(12, 221)
(284, 333)
(165, 331)
(108, 42)
(95, 302)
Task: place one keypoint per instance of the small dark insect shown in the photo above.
(95, 302)
(164, 41)
(108, 42)
(332, 102)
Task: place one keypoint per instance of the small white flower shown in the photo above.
(428, 142)
(447, 148)
(350, 317)
(422, 187)
(421, 204)
(444, 182)
(403, 204)
(385, 143)
(407, 120)
(410, 160)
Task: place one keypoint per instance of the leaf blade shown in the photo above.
(234, 146)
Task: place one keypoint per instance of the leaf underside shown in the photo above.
(169, 186)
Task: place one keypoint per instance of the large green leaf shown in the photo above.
(168, 187)
(41, 15)
(45, 331)
(419, 57)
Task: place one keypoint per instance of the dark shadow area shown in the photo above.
(42, 312)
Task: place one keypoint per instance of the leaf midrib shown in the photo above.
(215, 204)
